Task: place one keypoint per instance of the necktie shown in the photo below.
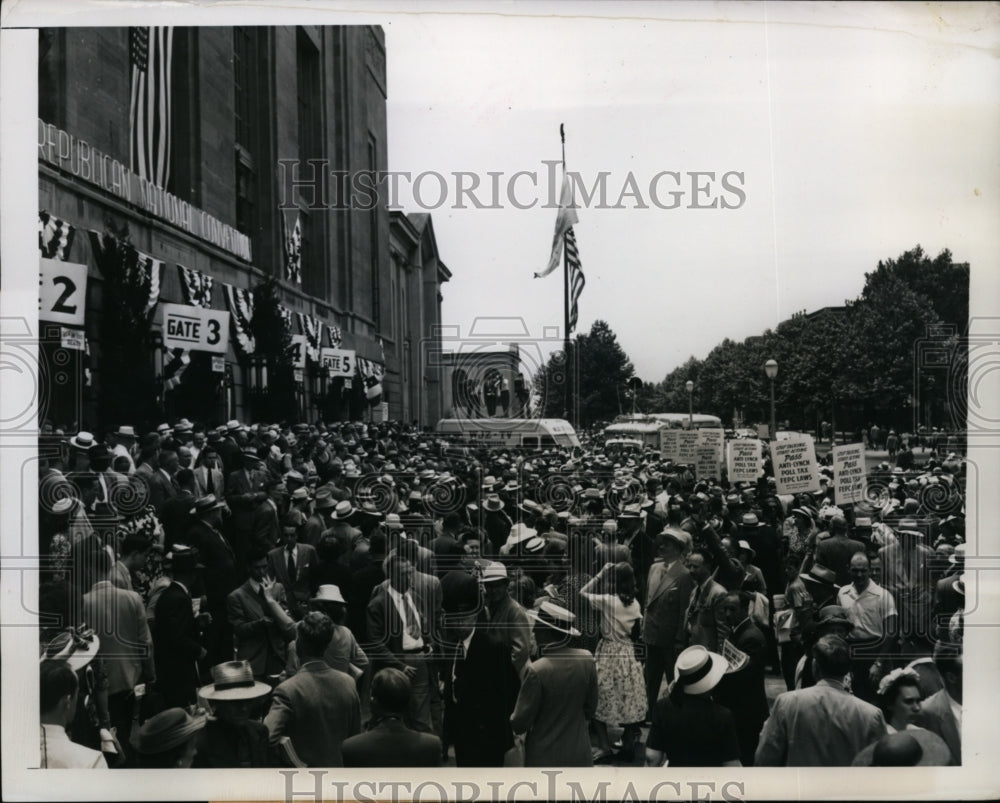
(262, 599)
(210, 486)
(459, 655)
(291, 564)
(412, 619)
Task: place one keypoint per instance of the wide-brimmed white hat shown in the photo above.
(329, 593)
(698, 671)
(77, 647)
(555, 617)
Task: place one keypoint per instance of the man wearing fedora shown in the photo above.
(509, 623)
(260, 624)
(317, 707)
(177, 632)
(222, 571)
(388, 742)
(824, 725)
(669, 590)
(124, 446)
(244, 491)
(495, 521)
(234, 737)
(480, 682)
(558, 695)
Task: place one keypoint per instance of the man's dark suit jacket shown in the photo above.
(743, 692)
(176, 646)
(160, 490)
(304, 586)
(479, 702)
(264, 646)
(222, 570)
(836, 553)
(936, 716)
(391, 744)
(240, 496)
(385, 630)
(266, 527)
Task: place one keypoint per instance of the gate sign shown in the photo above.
(195, 328)
(339, 362)
(298, 351)
(794, 461)
(745, 460)
(849, 476)
(62, 292)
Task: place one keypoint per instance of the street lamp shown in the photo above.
(771, 369)
(690, 389)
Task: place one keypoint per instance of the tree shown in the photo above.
(602, 371)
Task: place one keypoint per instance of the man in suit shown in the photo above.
(118, 617)
(267, 515)
(705, 622)
(208, 476)
(836, 551)
(244, 491)
(942, 711)
(398, 636)
(261, 626)
(448, 552)
(558, 695)
(388, 742)
(175, 513)
(222, 573)
(824, 725)
(134, 551)
(742, 691)
(177, 632)
(668, 592)
(161, 482)
(480, 683)
(293, 565)
(318, 707)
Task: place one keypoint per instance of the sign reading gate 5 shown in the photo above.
(195, 328)
(339, 362)
(62, 292)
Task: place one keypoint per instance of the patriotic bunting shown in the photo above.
(312, 328)
(139, 272)
(55, 236)
(152, 267)
(371, 374)
(173, 369)
(240, 304)
(196, 287)
(286, 317)
(335, 336)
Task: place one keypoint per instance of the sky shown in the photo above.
(859, 132)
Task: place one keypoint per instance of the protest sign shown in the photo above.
(744, 460)
(794, 461)
(669, 444)
(707, 464)
(687, 443)
(849, 473)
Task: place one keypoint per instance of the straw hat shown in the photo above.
(329, 593)
(77, 647)
(494, 572)
(166, 730)
(555, 617)
(698, 671)
(233, 680)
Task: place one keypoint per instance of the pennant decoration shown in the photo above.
(196, 287)
(173, 369)
(239, 301)
(371, 374)
(312, 328)
(153, 269)
(55, 236)
(286, 317)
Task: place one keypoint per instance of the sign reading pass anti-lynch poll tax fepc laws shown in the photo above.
(744, 460)
(849, 477)
(794, 462)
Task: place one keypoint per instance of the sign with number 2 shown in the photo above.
(62, 292)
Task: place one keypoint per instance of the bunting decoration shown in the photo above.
(286, 317)
(55, 236)
(371, 374)
(147, 265)
(239, 301)
(138, 274)
(173, 369)
(196, 287)
(312, 328)
(335, 336)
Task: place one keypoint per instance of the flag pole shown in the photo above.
(566, 341)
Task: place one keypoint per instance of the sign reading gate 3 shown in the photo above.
(195, 328)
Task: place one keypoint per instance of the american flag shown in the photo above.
(151, 54)
(576, 278)
(293, 251)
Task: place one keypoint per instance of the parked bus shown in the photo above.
(646, 432)
(673, 420)
(508, 433)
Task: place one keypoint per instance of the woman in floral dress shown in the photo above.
(621, 688)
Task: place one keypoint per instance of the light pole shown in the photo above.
(771, 369)
(690, 389)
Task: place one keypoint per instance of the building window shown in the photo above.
(245, 111)
(310, 136)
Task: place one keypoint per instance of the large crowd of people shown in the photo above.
(368, 594)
